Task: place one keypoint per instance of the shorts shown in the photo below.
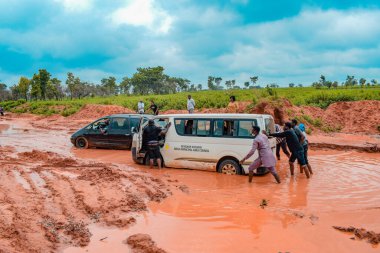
(154, 152)
(191, 111)
(299, 155)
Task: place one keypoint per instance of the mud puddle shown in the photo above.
(105, 192)
(219, 213)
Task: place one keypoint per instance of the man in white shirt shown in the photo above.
(140, 107)
(190, 104)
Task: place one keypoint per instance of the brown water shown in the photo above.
(210, 212)
(221, 213)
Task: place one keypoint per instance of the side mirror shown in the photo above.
(133, 130)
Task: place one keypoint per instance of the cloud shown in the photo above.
(191, 39)
(143, 13)
(314, 42)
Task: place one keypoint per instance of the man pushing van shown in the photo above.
(266, 157)
(151, 134)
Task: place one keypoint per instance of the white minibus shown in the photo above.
(215, 142)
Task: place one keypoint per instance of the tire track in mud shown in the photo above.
(47, 201)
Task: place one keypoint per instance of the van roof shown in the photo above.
(130, 114)
(215, 115)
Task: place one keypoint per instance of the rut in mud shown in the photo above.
(47, 200)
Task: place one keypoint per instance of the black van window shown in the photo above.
(134, 122)
(119, 123)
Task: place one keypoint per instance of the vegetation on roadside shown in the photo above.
(204, 99)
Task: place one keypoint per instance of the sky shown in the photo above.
(281, 41)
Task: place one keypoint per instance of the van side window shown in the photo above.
(245, 127)
(225, 127)
(203, 127)
(185, 127)
(196, 127)
(180, 126)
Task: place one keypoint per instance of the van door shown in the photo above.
(119, 134)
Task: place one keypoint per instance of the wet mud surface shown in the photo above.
(55, 198)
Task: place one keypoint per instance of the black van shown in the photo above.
(114, 131)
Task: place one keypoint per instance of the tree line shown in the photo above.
(42, 86)
(350, 81)
(151, 80)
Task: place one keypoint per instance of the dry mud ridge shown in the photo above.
(143, 243)
(47, 201)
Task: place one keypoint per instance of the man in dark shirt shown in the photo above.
(151, 134)
(302, 138)
(295, 148)
(153, 107)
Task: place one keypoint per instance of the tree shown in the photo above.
(110, 85)
(218, 80)
(44, 79)
(199, 86)
(35, 84)
(300, 85)
(334, 84)
(291, 85)
(317, 85)
(125, 85)
(70, 84)
(23, 87)
(210, 83)
(228, 84)
(374, 82)
(57, 88)
(350, 81)
(4, 92)
(246, 84)
(322, 80)
(362, 82)
(254, 79)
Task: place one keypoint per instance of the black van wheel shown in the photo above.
(229, 167)
(81, 142)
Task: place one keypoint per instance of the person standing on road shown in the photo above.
(280, 143)
(295, 148)
(266, 157)
(190, 104)
(140, 107)
(302, 137)
(151, 135)
(1, 111)
(153, 107)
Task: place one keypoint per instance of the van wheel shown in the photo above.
(229, 167)
(81, 142)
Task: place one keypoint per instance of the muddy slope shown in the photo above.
(47, 200)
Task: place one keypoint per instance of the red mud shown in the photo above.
(53, 196)
(143, 243)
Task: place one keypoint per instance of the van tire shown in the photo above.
(229, 167)
(81, 142)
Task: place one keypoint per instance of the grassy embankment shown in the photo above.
(204, 99)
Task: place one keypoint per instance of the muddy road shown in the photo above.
(55, 198)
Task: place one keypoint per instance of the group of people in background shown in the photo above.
(153, 108)
(232, 106)
(292, 136)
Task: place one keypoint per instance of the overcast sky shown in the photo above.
(281, 41)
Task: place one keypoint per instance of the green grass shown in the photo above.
(204, 99)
